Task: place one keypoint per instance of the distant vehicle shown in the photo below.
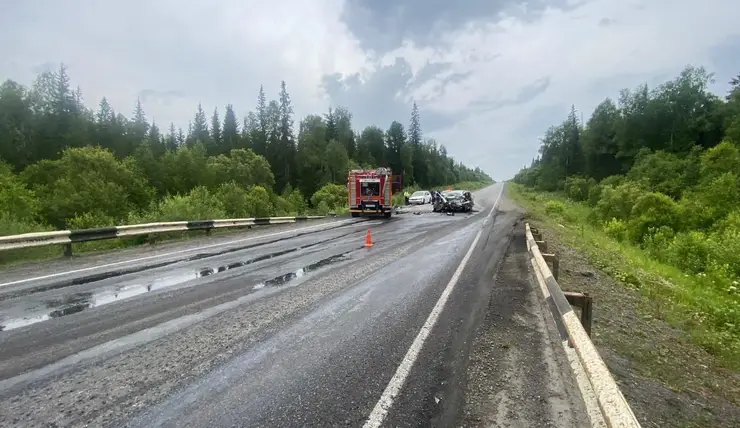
(455, 201)
(420, 198)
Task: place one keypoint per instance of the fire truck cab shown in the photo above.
(371, 192)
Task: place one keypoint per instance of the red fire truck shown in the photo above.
(371, 192)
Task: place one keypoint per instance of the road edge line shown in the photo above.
(384, 404)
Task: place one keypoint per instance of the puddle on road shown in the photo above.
(284, 279)
(82, 301)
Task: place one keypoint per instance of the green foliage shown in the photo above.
(667, 164)
(16, 199)
(63, 165)
(555, 208)
(688, 277)
(198, 204)
(86, 179)
(333, 196)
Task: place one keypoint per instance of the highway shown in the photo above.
(437, 324)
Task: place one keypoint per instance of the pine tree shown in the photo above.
(259, 138)
(199, 128)
(230, 132)
(171, 140)
(216, 141)
(418, 159)
(287, 146)
(140, 125)
(331, 126)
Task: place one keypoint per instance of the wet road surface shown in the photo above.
(295, 325)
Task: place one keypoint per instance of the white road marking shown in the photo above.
(140, 259)
(399, 378)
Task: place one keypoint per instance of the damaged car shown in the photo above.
(454, 201)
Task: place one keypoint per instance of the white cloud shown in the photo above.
(211, 52)
(192, 51)
(646, 38)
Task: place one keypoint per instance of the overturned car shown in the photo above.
(453, 201)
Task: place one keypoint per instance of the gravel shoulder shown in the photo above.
(668, 381)
(518, 374)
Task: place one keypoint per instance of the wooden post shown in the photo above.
(552, 258)
(585, 303)
(67, 250)
(587, 313)
(542, 245)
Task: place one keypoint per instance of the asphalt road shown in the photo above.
(288, 326)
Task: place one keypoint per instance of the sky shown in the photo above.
(489, 77)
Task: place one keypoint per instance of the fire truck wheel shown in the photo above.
(355, 214)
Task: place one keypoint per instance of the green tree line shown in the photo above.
(63, 165)
(659, 169)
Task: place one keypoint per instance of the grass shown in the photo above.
(685, 301)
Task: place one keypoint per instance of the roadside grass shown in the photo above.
(687, 302)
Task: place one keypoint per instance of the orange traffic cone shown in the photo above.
(368, 239)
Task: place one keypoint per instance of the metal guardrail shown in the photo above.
(68, 237)
(614, 407)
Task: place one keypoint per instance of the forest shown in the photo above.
(659, 170)
(64, 165)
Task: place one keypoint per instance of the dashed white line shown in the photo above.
(402, 372)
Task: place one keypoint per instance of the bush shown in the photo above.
(297, 202)
(234, 200)
(578, 188)
(617, 202)
(555, 208)
(616, 229)
(689, 251)
(333, 195)
(198, 204)
(652, 210)
(258, 202)
(90, 220)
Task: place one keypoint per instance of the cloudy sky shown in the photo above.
(489, 76)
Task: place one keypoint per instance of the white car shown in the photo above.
(420, 198)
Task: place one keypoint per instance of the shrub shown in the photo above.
(258, 202)
(577, 188)
(689, 251)
(616, 229)
(652, 210)
(334, 195)
(555, 208)
(234, 199)
(617, 202)
(199, 204)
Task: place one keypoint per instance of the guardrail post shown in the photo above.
(552, 258)
(586, 313)
(208, 232)
(584, 302)
(67, 250)
(542, 245)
